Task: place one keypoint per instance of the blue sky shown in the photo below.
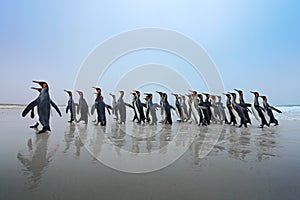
(254, 44)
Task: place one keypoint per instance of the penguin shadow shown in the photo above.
(267, 145)
(36, 162)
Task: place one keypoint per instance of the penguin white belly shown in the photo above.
(255, 112)
(267, 117)
(195, 114)
(136, 110)
(236, 115)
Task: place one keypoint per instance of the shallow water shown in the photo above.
(243, 164)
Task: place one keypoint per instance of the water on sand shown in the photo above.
(244, 163)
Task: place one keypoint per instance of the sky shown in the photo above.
(254, 44)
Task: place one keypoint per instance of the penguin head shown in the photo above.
(160, 93)
(133, 93)
(200, 96)
(69, 92)
(207, 95)
(227, 95)
(43, 84)
(121, 92)
(148, 95)
(194, 92)
(98, 90)
(80, 93)
(37, 89)
(239, 91)
(165, 96)
(137, 93)
(233, 95)
(175, 95)
(113, 96)
(263, 97)
(213, 97)
(256, 94)
(220, 98)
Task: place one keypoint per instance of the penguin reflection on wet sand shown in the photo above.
(71, 107)
(43, 103)
(100, 106)
(82, 108)
(258, 111)
(269, 109)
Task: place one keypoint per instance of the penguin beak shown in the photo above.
(37, 89)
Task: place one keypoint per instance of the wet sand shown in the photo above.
(243, 164)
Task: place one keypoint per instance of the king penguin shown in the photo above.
(83, 108)
(71, 107)
(269, 109)
(121, 108)
(43, 103)
(258, 111)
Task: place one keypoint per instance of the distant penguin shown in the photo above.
(195, 107)
(269, 109)
(152, 109)
(204, 110)
(83, 108)
(221, 108)
(100, 106)
(135, 108)
(121, 108)
(71, 107)
(140, 107)
(239, 110)
(185, 107)
(167, 107)
(189, 105)
(114, 106)
(244, 105)
(232, 119)
(147, 106)
(178, 107)
(161, 103)
(258, 111)
(43, 103)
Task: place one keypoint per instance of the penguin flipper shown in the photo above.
(275, 109)
(130, 106)
(30, 107)
(55, 107)
(93, 109)
(32, 113)
(172, 107)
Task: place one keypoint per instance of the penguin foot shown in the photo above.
(261, 126)
(70, 121)
(34, 126)
(44, 129)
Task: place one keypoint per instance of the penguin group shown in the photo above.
(202, 109)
